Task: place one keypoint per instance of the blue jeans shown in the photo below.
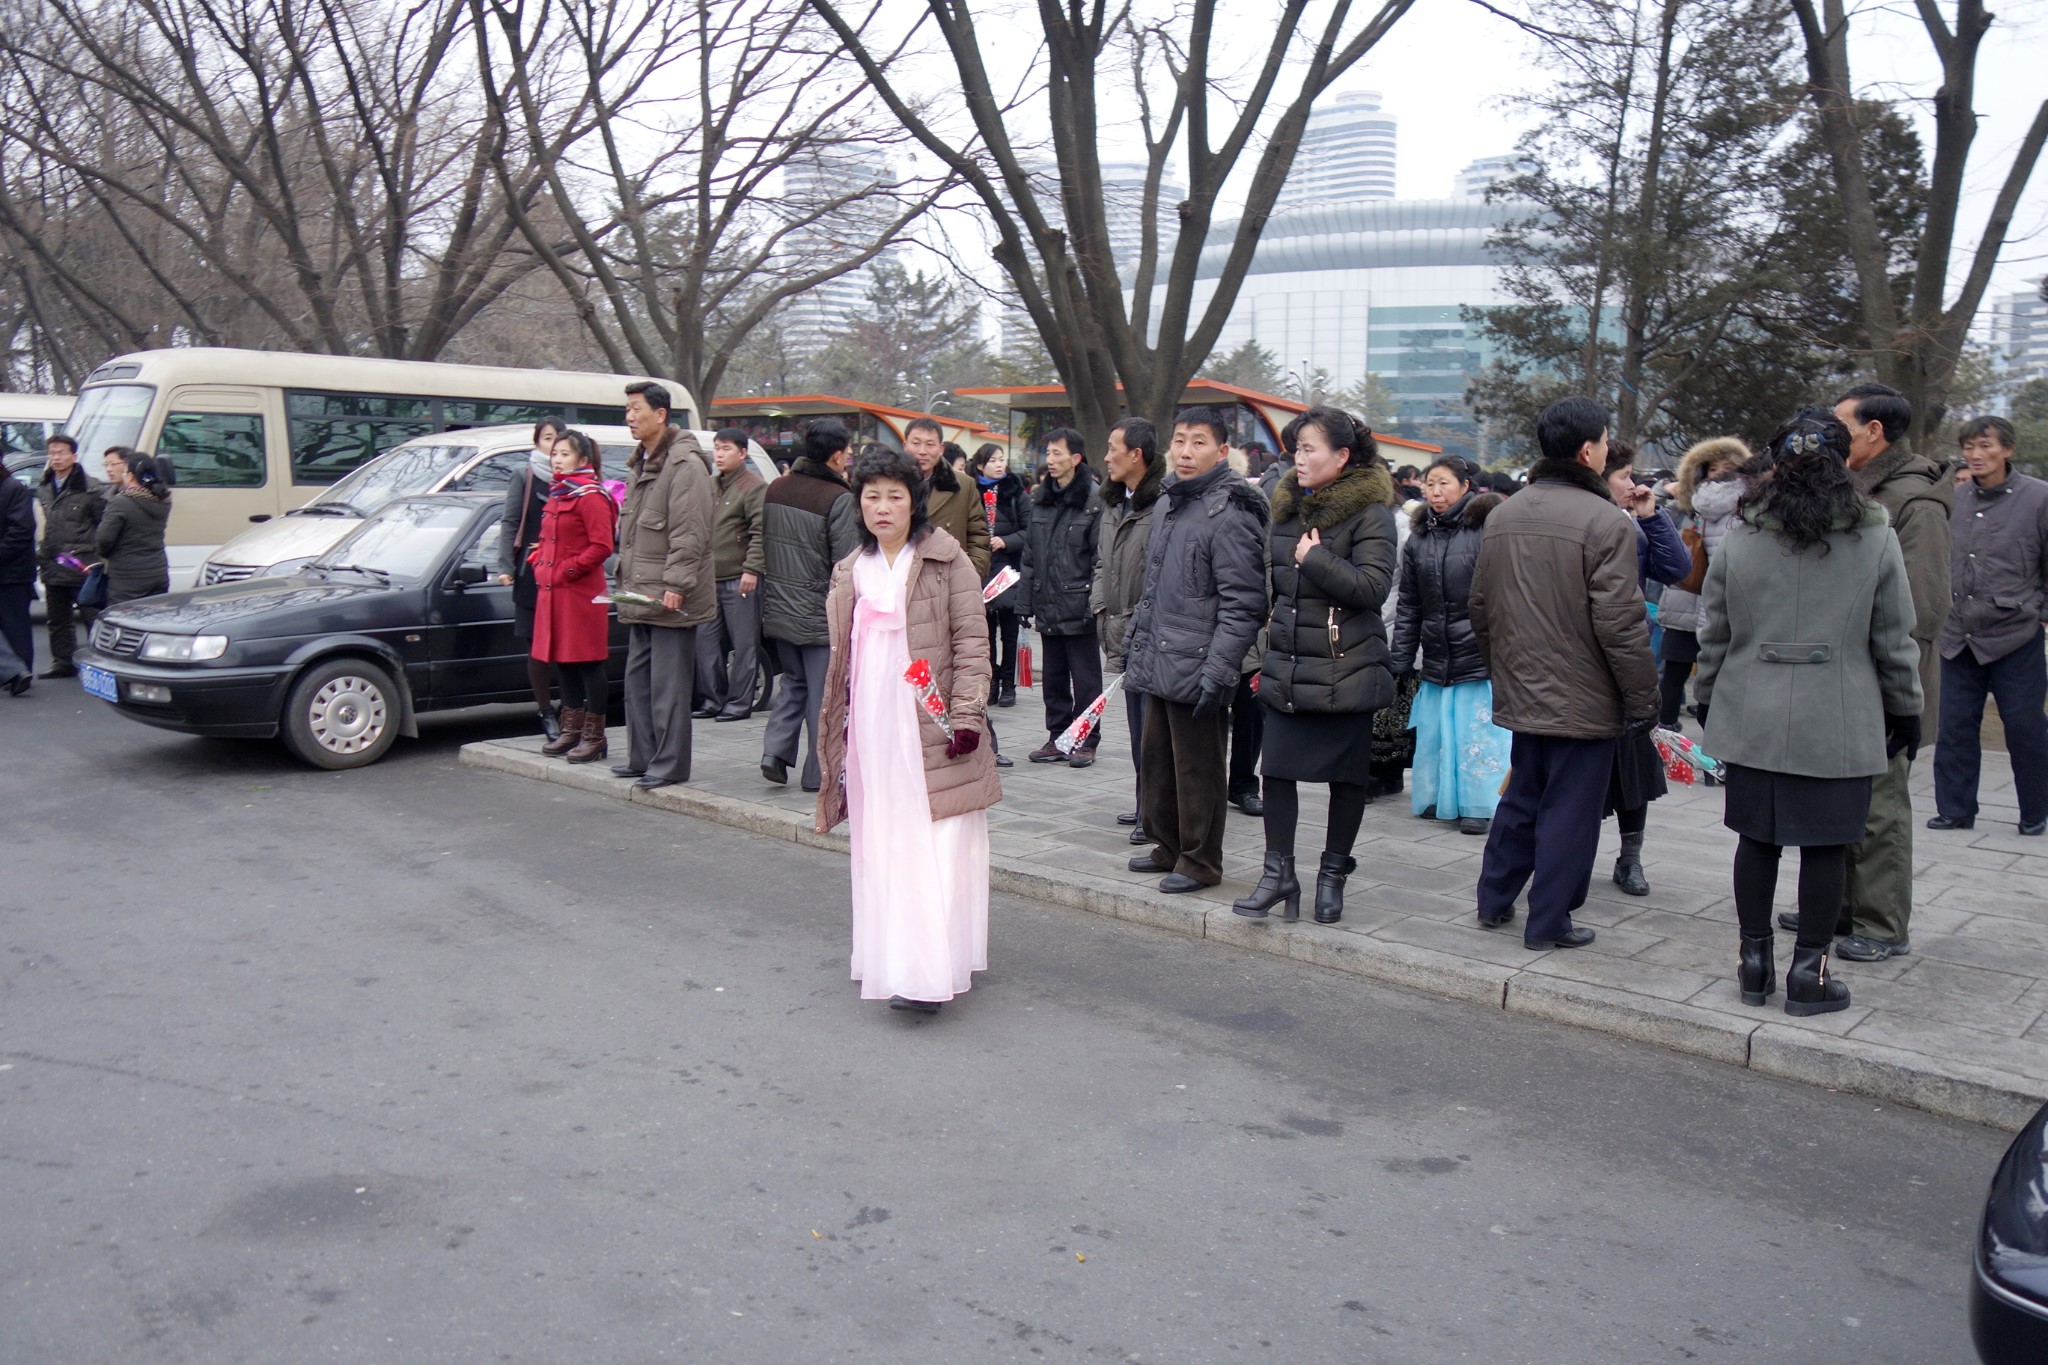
(2020, 683)
(1546, 831)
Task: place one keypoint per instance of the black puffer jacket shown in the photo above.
(1326, 650)
(1436, 584)
(1204, 597)
(131, 540)
(17, 532)
(1059, 553)
(1012, 520)
(809, 522)
(71, 519)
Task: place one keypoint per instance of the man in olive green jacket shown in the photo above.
(1918, 493)
(739, 557)
(1137, 474)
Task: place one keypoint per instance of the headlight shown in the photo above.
(184, 648)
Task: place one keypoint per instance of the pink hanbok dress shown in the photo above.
(920, 886)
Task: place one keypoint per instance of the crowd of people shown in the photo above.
(1505, 650)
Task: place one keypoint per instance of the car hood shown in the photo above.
(284, 538)
(258, 608)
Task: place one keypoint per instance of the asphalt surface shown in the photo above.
(424, 1064)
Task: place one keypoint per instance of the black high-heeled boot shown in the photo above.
(1755, 971)
(1330, 885)
(1278, 883)
(1809, 989)
(551, 723)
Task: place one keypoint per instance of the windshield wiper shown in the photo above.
(336, 508)
(380, 575)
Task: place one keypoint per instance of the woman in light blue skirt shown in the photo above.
(1461, 756)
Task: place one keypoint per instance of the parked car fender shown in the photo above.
(365, 647)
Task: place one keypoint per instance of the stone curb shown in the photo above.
(1939, 1086)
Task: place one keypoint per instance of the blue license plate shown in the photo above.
(99, 683)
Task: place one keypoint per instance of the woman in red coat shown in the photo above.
(578, 531)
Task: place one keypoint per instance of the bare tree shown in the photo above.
(1054, 241)
(311, 174)
(668, 136)
(1914, 338)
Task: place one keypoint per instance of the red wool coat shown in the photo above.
(578, 531)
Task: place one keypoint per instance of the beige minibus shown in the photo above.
(252, 434)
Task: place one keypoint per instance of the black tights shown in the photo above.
(1823, 873)
(1283, 813)
(1002, 630)
(584, 687)
(1677, 672)
(540, 676)
(1632, 821)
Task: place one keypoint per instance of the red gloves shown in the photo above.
(963, 742)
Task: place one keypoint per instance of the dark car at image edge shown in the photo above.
(403, 617)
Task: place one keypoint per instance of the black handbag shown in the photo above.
(92, 593)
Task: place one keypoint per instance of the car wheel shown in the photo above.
(764, 690)
(342, 714)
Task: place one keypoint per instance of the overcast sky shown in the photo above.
(1448, 69)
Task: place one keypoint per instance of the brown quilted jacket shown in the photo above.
(947, 626)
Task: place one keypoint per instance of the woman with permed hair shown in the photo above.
(1808, 660)
(916, 796)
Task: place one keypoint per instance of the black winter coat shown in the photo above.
(1059, 553)
(810, 521)
(1436, 585)
(17, 532)
(71, 519)
(1204, 597)
(131, 541)
(1012, 521)
(1326, 648)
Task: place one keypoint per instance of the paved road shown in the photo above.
(425, 1064)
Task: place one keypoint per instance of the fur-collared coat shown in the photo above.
(960, 513)
(1436, 590)
(1120, 559)
(1326, 646)
(946, 625)
(1059, 553)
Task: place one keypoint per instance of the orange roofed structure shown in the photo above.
(1254, 417)
(779, 423)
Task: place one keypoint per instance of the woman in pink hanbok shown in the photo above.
(916, 791)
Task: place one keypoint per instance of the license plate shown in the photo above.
(99, 683)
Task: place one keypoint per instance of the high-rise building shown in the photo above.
(1347, 152)
(1474, 181)
(2019, 336)
(814, 318)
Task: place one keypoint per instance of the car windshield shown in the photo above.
(408, 469)
(404, 540)
(109, 415)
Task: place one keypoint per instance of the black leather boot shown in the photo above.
(1755, 972)
(551, 723)
(1809, 987)
(1330, 885)
(1278, 883)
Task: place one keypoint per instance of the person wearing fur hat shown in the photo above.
(1460, 754)
(1330, 558)
(1708, 487)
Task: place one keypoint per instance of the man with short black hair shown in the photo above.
(738, 559)
(1201, 606)
(1059, 561)
(1918, 493)
(1129, 495)
(665, 555)
(72, 503)
(956, 510)
(1557, 612)
(1991, 642)
(809, 522)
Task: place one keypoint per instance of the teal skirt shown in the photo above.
(1461, 756)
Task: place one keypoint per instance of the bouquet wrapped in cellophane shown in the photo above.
(919, 676)
(1089, 721)
(1684, 761)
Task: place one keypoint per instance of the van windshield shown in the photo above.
(109, 415)
(395, 473)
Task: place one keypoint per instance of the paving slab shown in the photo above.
(1960, 1027)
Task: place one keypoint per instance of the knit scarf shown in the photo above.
(575, 484)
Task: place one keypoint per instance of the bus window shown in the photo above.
(332, 433)
(214, 449)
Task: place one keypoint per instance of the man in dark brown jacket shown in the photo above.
(1557, 611)
(955, 510)
(739, 557)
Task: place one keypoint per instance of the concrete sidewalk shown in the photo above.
(1957, 1028)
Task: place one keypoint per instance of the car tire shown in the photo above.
(342, 713)
(764, 688)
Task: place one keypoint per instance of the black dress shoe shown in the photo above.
(1473, 824)
(19, 684)
(625, 770)
(1953, 822)
(59, 671)
(734, 715)
(897, 1002)
(1002, 762)
(1007, 697)
(1251, 803)
(703, 712)
(1145, 862)
(1578, 936)
(1175, 884)
(1498, 920)
(1139, 836)
(1130, 817)
(647, 782)
(2035, 827)
(775, 770)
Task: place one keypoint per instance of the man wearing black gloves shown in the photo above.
(1203, 600)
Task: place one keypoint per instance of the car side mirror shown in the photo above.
(470, 575)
